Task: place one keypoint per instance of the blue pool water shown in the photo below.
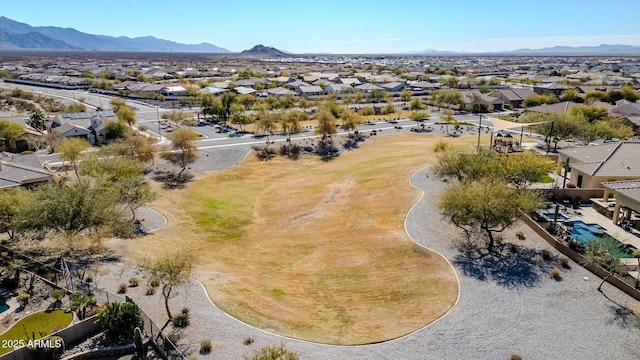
(3, 305)
(550, 216)
(582, 231)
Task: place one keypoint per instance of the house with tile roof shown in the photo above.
(593, 165)
(512, 97)
(21, 170)
(90, 126)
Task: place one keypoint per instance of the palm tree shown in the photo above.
(17, 265)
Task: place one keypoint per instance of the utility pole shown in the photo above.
(479, 129)
(159, 129)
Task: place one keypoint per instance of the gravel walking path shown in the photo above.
(505, 307)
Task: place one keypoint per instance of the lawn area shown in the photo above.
(33, 324)
(310, 249)
(545, 179)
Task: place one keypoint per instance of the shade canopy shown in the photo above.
(499, 124)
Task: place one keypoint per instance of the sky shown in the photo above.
(347, 26)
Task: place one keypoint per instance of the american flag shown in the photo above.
(65, 272)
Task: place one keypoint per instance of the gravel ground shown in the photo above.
(505, 307)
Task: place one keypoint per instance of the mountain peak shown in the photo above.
(264, 51)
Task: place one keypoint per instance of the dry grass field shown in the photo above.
(310, 249)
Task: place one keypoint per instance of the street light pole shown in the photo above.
(159, 129)
(479, 129)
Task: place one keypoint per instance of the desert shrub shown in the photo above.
(154, 283)
(23, 299)
(182, 320)
(520, 235)
(122, 288)
(58, 294)
(546, 254)
(205, 346)
(515, 357)
(292, 151)
(366, 111)
(264, 153)
(442, 146)
(150, 290)
(133, 282)
(174, 337)
(119, 318)
(555, 274)
(273, 353)
(248, 341)
(564, 262)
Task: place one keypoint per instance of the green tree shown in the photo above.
(468, 167)
(266, 122)
(527, 168)
(71, 149)
(83, 207)
(36, 120)
(536, 100)
(10, 131)
(75, 107)
(127, 115)
(612, 128)
(171, 270)
(183, 143)
(119, 319)
(488, 205)
(629, 93)
(135, 146)
(416, 105)
(605, 253)
(405, 95)
(116, 130)
(238, 115)
(569, 95)
(11, 201)
(182, 118)
(134, 192)
(593, 96)
(419, 117)
(449, 119)
(589, 112)
(326, 124)
(376, 95)
(448, 97)
(351, 120)
(290, 123)
(81, 304)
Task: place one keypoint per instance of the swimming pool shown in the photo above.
(582, 231)
(3, 305)
(550, 217)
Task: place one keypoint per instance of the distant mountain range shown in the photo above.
(555, 50)
(15, 35)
